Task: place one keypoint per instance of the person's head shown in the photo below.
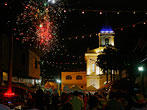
(112, 95)
(67, 106)
(75, 93)
(93, 101)
(102, 103)
(63, 94)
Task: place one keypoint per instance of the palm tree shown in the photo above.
(110, 52)
(102, 63)
(110, 60)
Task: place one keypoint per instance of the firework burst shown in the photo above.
(38, 24)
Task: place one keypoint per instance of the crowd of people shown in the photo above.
(100, 100)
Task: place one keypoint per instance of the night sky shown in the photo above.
(74, 25)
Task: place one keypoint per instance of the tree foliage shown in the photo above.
(110, 59)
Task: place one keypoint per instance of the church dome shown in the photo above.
(106, 29)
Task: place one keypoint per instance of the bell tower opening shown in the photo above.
(106, 36)
(106, 41)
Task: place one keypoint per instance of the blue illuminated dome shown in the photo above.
(106, 29)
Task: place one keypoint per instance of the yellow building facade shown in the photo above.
(69, 79)
(94, 75)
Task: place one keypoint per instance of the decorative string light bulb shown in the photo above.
(101, 12)
(83, 12)
(134, 12)
(133, 25)
(6, 4)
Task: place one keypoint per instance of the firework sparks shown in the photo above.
(38, 25)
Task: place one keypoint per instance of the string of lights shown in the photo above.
(66, 68)
(79, 37)
(123, 28)
(84, 36)
(84, 11)
(74, 60)
(69, 56)
(64, 63)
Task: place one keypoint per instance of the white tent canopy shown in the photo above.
(91, 88)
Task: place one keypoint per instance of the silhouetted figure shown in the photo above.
(39, 99)
(30, 100)
(92, 103)
(113, 104)
(67, 106)
(77, 102)
(47, 100)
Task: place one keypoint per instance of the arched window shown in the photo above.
(106, 41)
(79, 77)
(68, 77)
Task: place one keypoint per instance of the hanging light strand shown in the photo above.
(79, 37)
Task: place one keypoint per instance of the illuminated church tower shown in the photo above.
(95, 76)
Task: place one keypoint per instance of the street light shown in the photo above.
(58, 82)
(141, 69)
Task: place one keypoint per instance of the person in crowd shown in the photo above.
(67, 106)
(30, 101)
(85, 101)
(25, 99)
(64, 97)
(39, 99)
(78, 103)
(123, 98)
(61, 100)
(113, 104)
(47, 100)
(92, 102)
(102, 103)
(139, 102)
(56, 101)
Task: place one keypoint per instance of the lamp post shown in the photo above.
(141, 69)
(58, 82)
